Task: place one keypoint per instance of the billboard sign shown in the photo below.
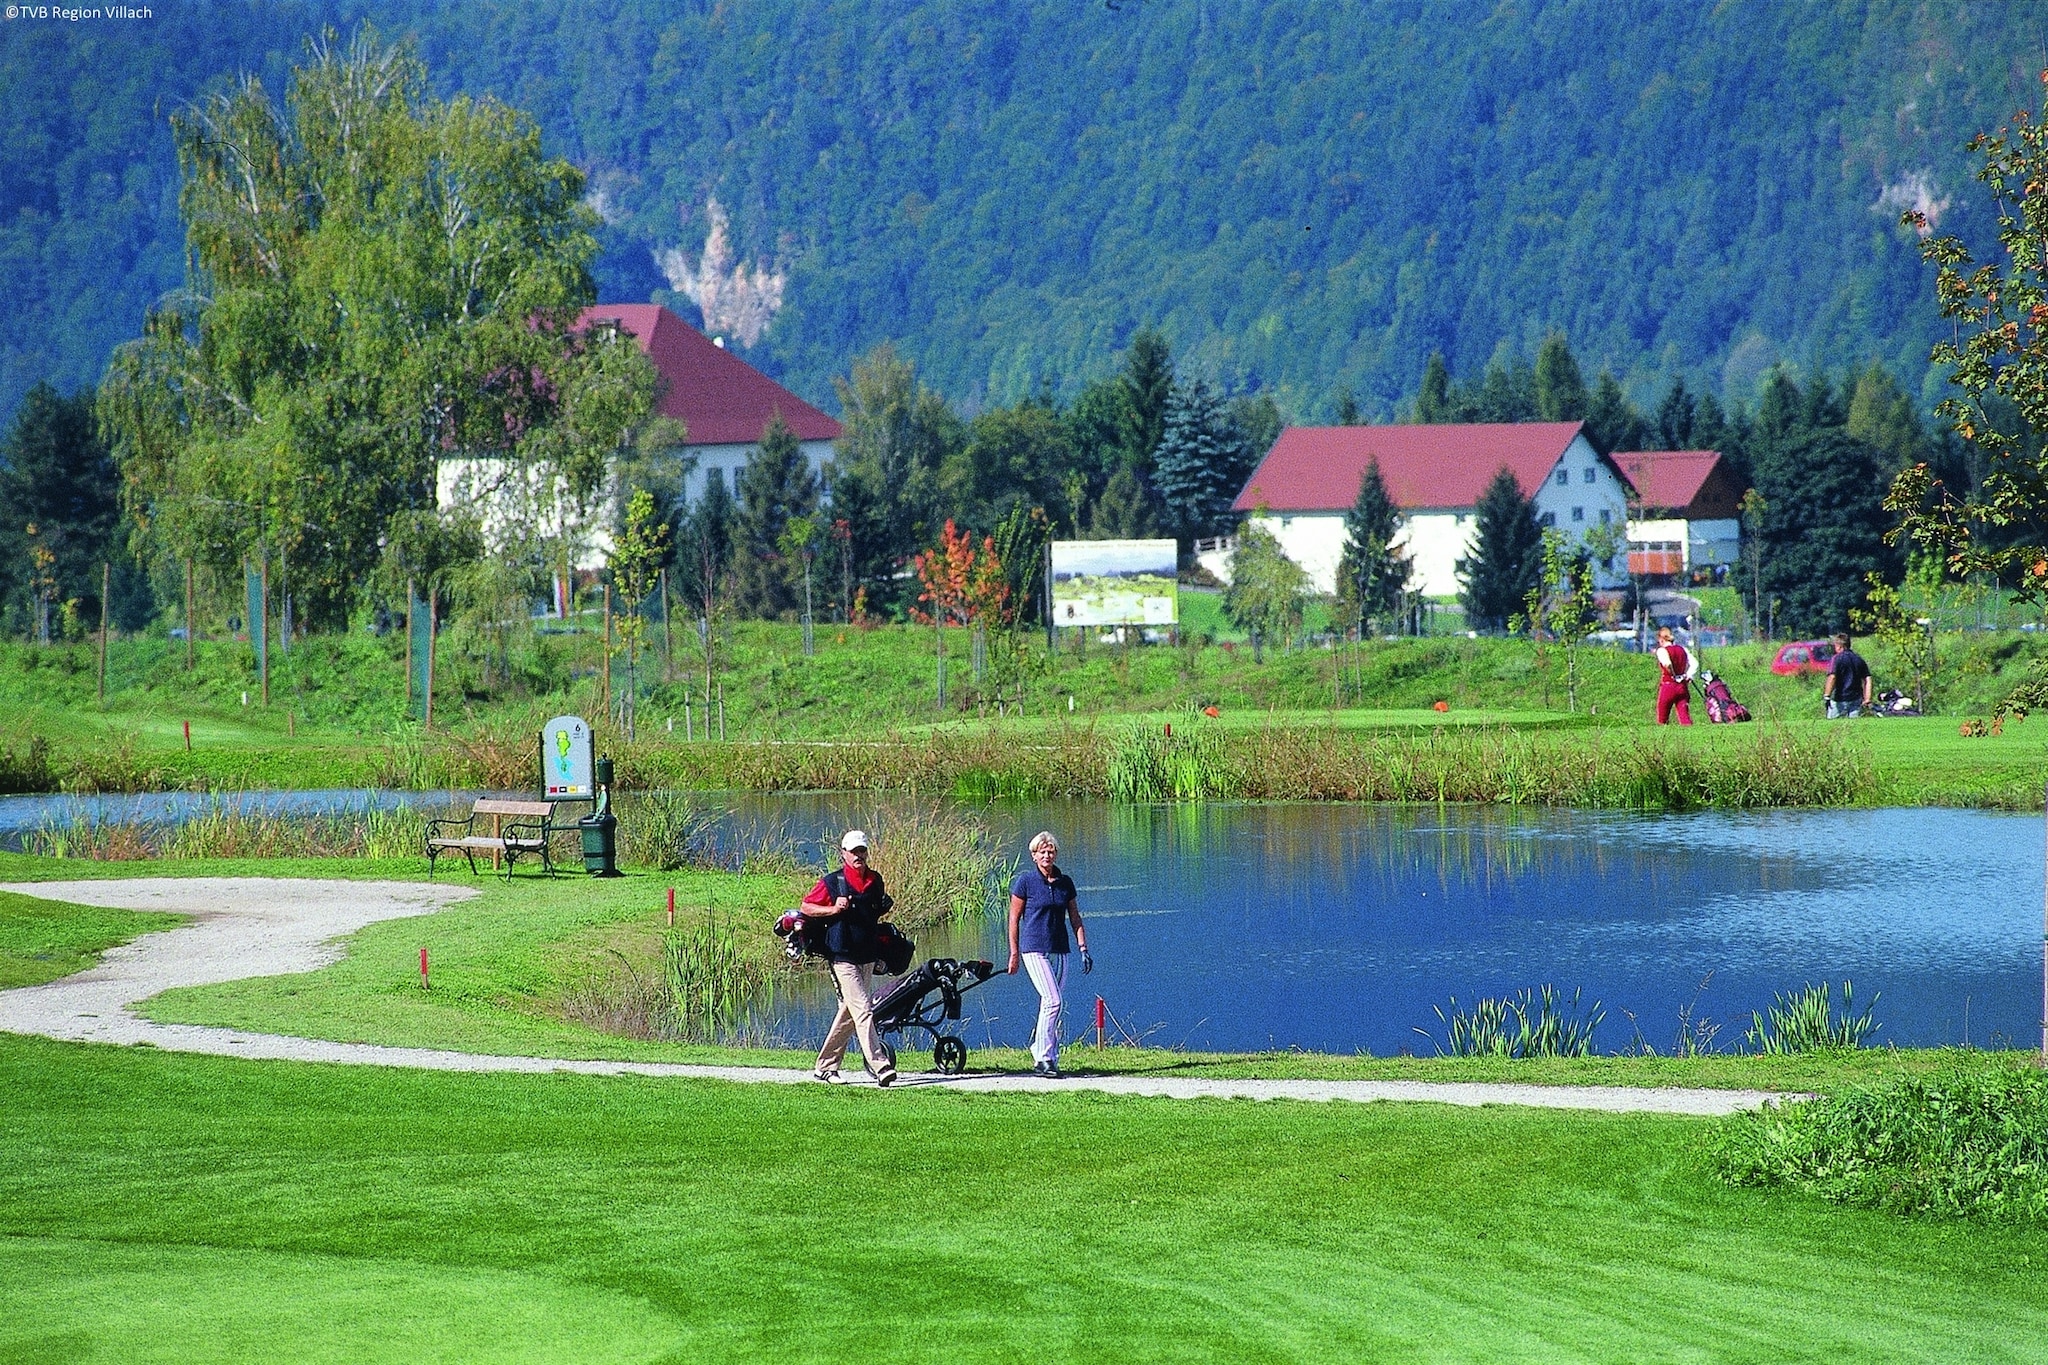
(1115, 583)
(565, 767)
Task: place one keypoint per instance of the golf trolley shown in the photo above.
(929, 999)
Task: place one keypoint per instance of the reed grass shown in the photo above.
(1805, 1021)
(1968, 1142)
(1538, 1023)
(942, 865)
(222, 831)
(716, 988)
(1773, 766)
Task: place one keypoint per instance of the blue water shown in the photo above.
(1337, 928)
(21, 816)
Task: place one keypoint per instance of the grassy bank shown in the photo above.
(157, 1207)
(858, 716)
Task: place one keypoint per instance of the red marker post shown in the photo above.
(1101, 1019)
(188, 736)
(671, 907)
(423, 970)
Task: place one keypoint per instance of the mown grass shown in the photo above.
(160, 1207)
(42, 940)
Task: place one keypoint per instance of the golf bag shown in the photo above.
(1722, 708)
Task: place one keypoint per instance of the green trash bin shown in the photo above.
(600, 828)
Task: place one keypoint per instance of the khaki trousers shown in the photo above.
(856, 1018)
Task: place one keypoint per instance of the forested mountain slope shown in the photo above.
(1305, 196)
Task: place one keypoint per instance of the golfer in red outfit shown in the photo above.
(1675, 668)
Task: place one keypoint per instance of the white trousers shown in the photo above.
(1048, 973)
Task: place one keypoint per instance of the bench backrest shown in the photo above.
(489, 806)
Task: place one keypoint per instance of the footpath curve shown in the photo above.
(244, 927)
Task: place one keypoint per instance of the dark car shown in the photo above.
(1803, 656)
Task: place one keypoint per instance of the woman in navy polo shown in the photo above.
(1042, 905)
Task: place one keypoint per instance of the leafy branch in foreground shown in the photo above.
(1998, 361)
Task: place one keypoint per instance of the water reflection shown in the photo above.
(1337, 927)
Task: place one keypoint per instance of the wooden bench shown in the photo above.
(531, 824)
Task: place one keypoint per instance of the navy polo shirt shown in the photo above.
(1043, 926)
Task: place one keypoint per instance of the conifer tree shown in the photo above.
(60, 495)
(1676, 417)
(1198, 456)
(1433, 398)
(1560, 388)
(1612, 422)
(1507, 555)
(775, 486)
(1347, 408)
(1374, 575)
(1123, 512)
(1148, 387)
(704, 549)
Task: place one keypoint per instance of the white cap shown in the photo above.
(855, 838)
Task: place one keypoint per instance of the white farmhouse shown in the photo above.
(1435, 474)
(723, 403)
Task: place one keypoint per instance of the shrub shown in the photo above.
(1962, 1143)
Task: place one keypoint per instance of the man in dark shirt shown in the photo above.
(1848, 686)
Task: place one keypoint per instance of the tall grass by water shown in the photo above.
(1806, 1021)
(1771, 766)
(1971, 1142)
(223, 831)
(1538, 1023)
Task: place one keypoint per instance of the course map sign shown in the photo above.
(1114, 583)
(565, 770)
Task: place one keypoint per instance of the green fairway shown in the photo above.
(42, 940)
(157, 1207)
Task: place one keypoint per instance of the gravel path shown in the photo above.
(245, 927)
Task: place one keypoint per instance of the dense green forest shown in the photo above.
(1307, 199)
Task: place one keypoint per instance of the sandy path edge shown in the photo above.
(245, 927)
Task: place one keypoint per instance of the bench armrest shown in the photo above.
(465, 823)
(536, 830)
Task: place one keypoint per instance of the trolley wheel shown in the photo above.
(949, 1055)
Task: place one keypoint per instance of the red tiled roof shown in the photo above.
(1318, 469)
(719, 398)
(1693, 482)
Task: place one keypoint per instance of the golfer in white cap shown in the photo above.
(852, 901)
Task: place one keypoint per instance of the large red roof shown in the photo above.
(719, 398)
(1691, 483)
(1318, 469)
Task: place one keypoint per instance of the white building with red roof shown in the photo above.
(1435, 474)
(1688, 511)
(723, 404)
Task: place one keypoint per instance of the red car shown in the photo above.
(1803, 656)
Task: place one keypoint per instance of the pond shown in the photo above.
(21, 816)
(1338, 927)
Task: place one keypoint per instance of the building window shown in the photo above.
(1578, 514)
(1605, 516)
(1547, 519)
(1564, 476)
(1458, 520)
(1591, 475)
